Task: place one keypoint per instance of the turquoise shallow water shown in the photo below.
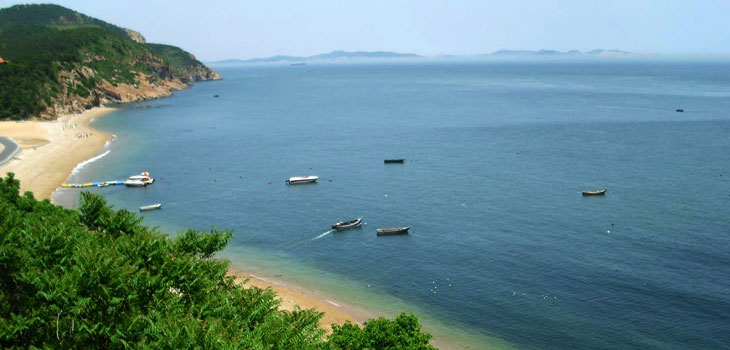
(497, 155)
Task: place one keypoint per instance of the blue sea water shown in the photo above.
(503, 246)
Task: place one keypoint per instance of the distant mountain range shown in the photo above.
(386, 55)
(331, 56)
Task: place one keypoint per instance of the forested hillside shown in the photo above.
(60, 61)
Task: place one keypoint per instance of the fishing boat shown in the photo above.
(393, 231)
(346, 225)
(393, 161)
(680, 110)
(150, 207)
(302, 179)
(594, 193)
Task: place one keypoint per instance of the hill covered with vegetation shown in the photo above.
(96, 278)
(60, 61)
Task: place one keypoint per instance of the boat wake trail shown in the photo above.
(322, 235)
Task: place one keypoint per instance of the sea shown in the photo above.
(504, 251)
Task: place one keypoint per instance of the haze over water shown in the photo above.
(496, 157)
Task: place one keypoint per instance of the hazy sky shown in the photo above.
(219, 29)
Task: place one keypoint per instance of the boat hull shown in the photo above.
(594, 193)
(394, 161)
(150, 207)
(302, 180)
(393, 231)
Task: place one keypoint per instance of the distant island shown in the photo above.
(337, 55)
(54, 61)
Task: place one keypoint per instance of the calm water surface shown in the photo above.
(502, 245)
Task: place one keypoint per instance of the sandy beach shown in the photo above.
(51, 149)
(292, 296)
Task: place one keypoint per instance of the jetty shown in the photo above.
(140, 180)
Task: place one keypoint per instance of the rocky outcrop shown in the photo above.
(134, 35)
(76, 97)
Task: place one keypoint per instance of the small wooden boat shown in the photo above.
(394, 161)
(594, 193)
(680, 110)
(302, 179)
(346, 225)
(393, 231)
(150, 207)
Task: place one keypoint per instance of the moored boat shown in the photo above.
(345, 225)
(594, 193)
(144, 177)
(392, 161)
(150, 207)
(302, 179)
(393, 231)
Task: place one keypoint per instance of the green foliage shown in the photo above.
(56, 16)
(95, 278)
(403, 332)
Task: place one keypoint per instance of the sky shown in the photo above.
(223, 29)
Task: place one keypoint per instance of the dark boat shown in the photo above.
(680, 110)
(393, 231)
(216, 96)
(389, 161)
(594, 193)
(346, 225)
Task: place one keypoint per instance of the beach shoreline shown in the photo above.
(292, 295)
(50, 150)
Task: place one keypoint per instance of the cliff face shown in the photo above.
(64, 62)
(145, 87)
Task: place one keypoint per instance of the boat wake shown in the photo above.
(322, 235)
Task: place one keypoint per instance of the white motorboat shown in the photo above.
(150, 207)
(144, 177)
(302, 179)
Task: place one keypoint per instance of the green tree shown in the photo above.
(402, 333)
